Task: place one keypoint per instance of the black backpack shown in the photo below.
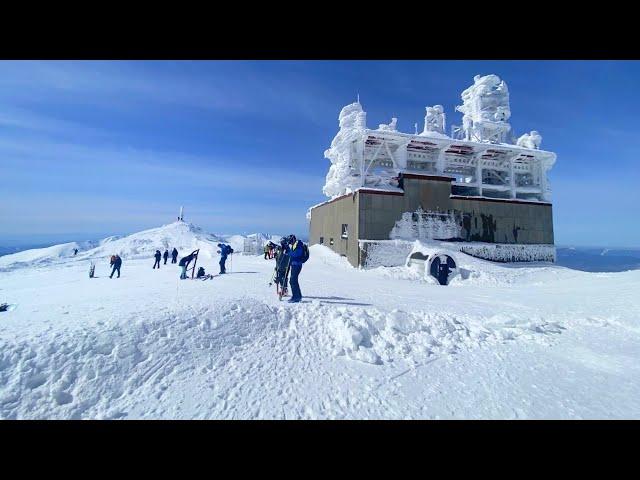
(305, 253)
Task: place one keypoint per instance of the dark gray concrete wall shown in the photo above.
(483, 220)
(371, 215)
(378, 214)
(503, 222)
(327, 220)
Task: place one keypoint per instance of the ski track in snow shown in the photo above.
(509, 342)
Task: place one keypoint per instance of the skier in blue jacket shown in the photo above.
(224, 252)
(296, 253)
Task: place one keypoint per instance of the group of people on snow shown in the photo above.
(165, 255)
(290, 255)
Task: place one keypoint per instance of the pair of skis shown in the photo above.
(280, 276)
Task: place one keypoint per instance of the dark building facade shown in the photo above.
(367, 214)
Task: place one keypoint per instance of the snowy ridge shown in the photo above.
(375, 336)
(38, 256)
(186, 237)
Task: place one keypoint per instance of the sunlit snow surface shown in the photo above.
(510, 341)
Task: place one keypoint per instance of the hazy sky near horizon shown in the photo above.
(89, 149)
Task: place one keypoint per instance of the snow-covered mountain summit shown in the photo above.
(184, 236)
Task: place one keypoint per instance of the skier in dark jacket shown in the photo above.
(295, 253)
(225, 251)
(75, 252)
(158, 256)
(184, 263)
(165, 256)
(174, 255)
(116, 263)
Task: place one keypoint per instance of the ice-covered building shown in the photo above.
(478, 184)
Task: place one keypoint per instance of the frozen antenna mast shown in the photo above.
(181, 217)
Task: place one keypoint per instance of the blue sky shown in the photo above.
(89, 149)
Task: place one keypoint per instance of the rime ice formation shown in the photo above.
(395, 253)
(421, 225)
(363, 157)
(530, 140)
(434, 121)
(390, 127)
(340, 179)
(485, 108)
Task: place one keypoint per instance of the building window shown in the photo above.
(331, 241)
(321, 240)
(345, 231)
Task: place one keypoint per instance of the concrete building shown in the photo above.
(473, 187)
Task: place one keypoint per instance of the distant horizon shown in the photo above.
(44, 239)
(92, 147)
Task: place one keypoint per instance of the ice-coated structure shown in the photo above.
(485, 108)
(340, 179)
(390, 127)
(482, 157)
(434, 121)
(530, 140)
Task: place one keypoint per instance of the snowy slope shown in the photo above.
(186, 237)
(38, 256)
(510, 342)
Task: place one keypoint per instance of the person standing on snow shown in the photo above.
(158, 255)
(296, 253)
(75, 252)
(267, 251)
(174, 255)
(225, 251)
(165, 256)
(116, 263)
(184, 263)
